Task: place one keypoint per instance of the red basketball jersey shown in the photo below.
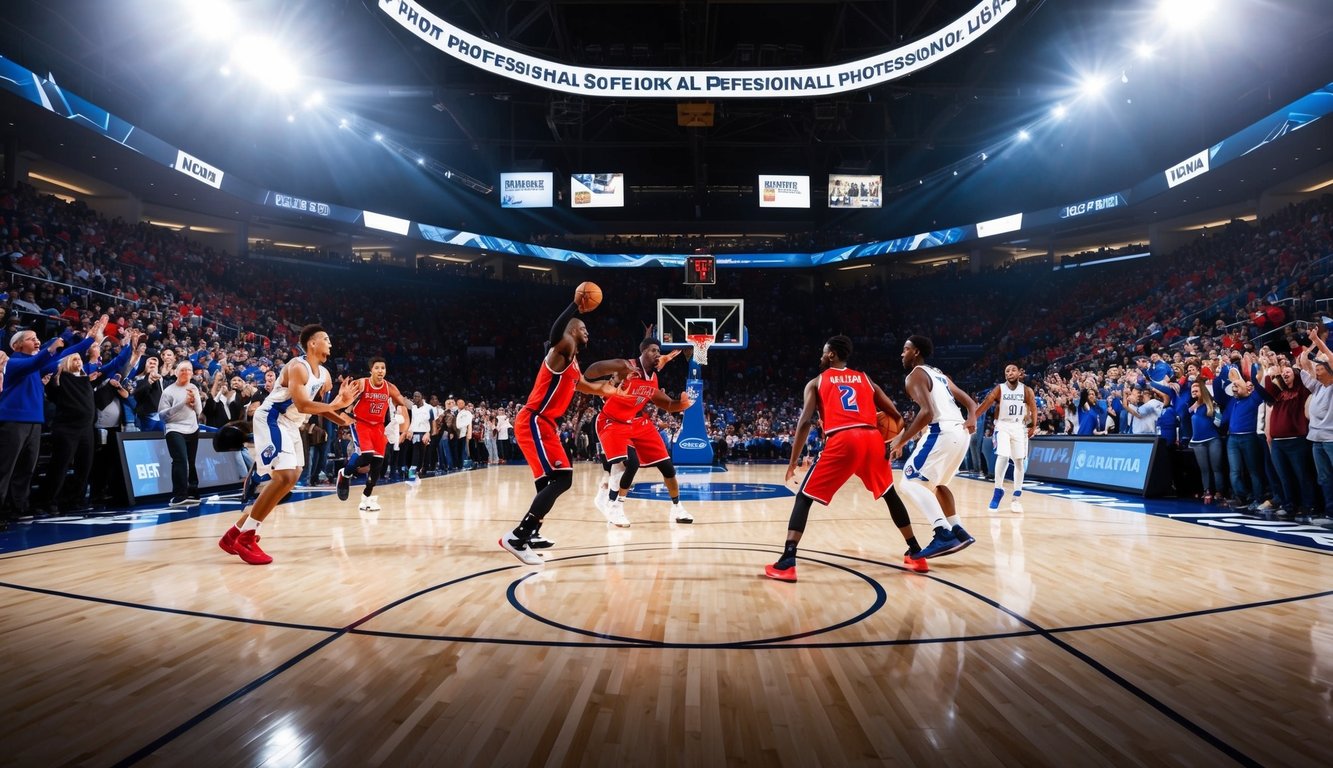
(640, 389)
(846, 399)
(372, 405)
(552, 391)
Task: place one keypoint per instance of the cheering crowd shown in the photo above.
(1223, 318)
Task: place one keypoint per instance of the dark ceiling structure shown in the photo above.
(926, 133)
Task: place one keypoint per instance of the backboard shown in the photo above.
(723, 318)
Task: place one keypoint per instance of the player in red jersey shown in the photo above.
(622, 425)
(846, 400)
(370, 412)
(538, 436)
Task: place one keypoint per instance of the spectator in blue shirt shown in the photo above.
(23, 410)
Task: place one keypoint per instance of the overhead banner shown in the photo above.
(197, 169)
(1000, 226)
(658, 83)
(846, 191)
(1195, 166)
(784, 191)
(527, 190)
(1095, 205)
(386, 223)
(597, 190)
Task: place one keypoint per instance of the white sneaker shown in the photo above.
(601, 501)
(369, 503)
(1015, 506)
(679, 514)
(520, 549)
(615, 513)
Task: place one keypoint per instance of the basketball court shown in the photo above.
(1074, 633)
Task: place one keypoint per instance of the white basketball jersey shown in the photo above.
(946, 408)
(279, 404)
(1013, 404)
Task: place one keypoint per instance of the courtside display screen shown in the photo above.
(147, 465)
(1113, 463)
(597, 190)
(784, 191)
(846, 191)
(527, 190)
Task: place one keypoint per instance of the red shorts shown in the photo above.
(368, 438)
(617, 436)
(848, 452)
(539, 440)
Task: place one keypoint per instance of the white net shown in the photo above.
(701, 344)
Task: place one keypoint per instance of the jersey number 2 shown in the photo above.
(848, 398)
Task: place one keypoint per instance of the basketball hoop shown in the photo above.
(701, 342)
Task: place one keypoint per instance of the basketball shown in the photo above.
(889, 426)
(587, 296)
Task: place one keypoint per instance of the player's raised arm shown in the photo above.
(601, 369)
(560, 340)
(298, 376)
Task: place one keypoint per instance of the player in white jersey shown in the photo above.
(939, 452)
(1016, 423)
(298, 392)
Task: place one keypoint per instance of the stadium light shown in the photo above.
(1144, 50)
(1092, 86)
(1180, 14)
(213, 20)
(263, 59)
(379, 136)
(1023, 135)
(1059, 112)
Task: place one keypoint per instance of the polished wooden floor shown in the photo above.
(1070, 634)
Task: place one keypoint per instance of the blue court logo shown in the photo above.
(693, 444)
(709, 491)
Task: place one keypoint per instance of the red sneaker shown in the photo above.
(247, 546)
(781, 574)
(228, 541)
(920, 566)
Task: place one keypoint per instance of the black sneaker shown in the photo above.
(538, 541)
(964, 538)
(344, 486)
(944, 543)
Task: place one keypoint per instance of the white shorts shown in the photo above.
(1011, 439)
(277, 443)
(938, 454)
